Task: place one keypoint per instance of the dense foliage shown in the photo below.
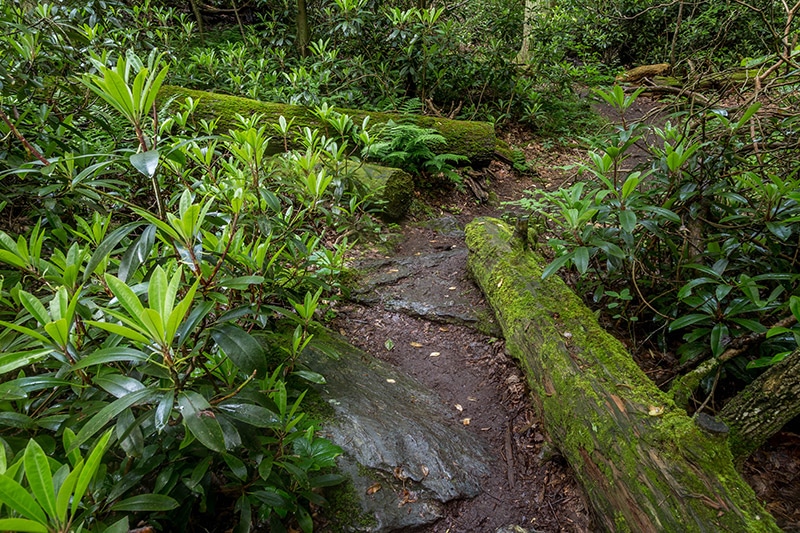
(159, 279)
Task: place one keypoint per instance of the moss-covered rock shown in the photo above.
(644, 464)
(391, 189)
(474, 140)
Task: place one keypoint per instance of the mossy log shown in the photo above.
(474, 140)
(390, 190)
(644, 464)
(644, 71)
(763, 407)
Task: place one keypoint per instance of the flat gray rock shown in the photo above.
(427, 286)
(406, 454)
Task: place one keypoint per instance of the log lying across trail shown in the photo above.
(474, 140)
(644, 464)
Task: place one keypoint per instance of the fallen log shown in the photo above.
(644, 71)
(763, 407)
(644, 464)
(474, 140)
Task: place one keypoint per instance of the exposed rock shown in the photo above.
(392, 189)
(406, 454)
(420, 286)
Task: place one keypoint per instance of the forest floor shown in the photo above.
(530, 485)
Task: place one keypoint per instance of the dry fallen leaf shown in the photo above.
(435, 354)
(471, 399)
(408, 497)
(444, 329)
(451, 288)
(425, 470)
(374, 488)
(466, 421)
(390, 381)
(393, 270)
(399, 474)
(416, 345)
(459, 407)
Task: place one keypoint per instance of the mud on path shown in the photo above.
(420, 311)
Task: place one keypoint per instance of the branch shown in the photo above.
(28, 146)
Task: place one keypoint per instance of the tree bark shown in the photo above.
(303, 33)
(763, 407)
(644, 464)
(474, 140)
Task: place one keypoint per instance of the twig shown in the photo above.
(33, 151)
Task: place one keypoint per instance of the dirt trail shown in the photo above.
(530, 486)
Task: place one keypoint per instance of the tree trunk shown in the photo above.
(198, 16)
(644, 464)
(524, 54)
(474, 140)
(303, 34)
(763, 407)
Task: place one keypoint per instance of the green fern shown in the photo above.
(411, 147)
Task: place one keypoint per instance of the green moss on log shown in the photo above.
(644, 464)
(474, 140)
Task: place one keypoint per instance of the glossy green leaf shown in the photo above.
(125, 296)
(22, 524)
(65, 492)
(719, 338)
(241, 283)
(687, 320)
(16, 498)
(310, 376)
(120, 526)
(201, 421)
(107, 246)
(241, 348)
(146, 162)
(137, 253)
(327, 480)
(118, 385)
(236, 465)
(34, 307)
(580, 256)
(146, 502)
(90, 468)
(40, 479)
(252, 414)
(794, 306)
(122, 331)
(112, 355)
(627, 219)
(109, 412)
(555, 265)
(163, 411)
(15, 360)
